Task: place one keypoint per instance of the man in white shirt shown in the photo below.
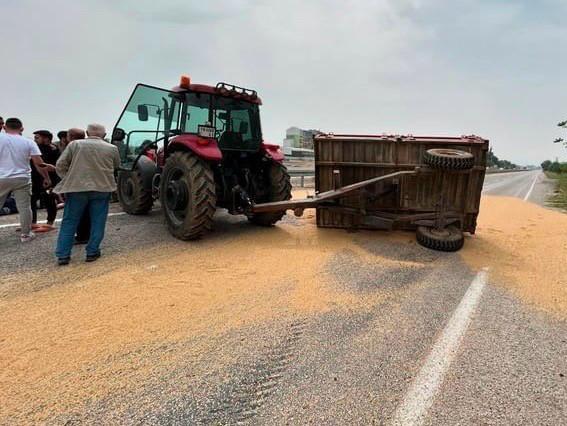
(15, 171)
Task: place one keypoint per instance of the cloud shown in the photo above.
(180, 11)
(413, 66)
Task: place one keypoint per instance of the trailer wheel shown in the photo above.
(448, 159)
(133, 196)
(449, 239)
(188, 195)
(280, 190)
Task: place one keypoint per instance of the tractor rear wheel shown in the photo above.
(449, 239)
(188, 195)
(279, 190)
(133, 196)
(448, 159)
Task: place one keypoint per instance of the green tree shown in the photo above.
(555, 167)
(491, 159)
(545, 165)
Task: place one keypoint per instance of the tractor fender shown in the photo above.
(205, 148)
(272, 151)
(147, 168)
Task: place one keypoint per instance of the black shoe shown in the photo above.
(63, 261)
(92, 257)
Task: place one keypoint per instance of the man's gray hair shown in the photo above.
(96, 130)
(74, 133)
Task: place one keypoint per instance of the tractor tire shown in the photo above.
(133, 197)
(280, 190)
(188, 195)
(448, 159)
(449, 239)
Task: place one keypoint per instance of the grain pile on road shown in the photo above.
(525, 247)
(76, 342)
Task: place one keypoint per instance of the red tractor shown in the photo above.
(196, 148)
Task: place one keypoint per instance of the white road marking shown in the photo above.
(12, 225)
(506, 179)
(421, 394)
(531, 187)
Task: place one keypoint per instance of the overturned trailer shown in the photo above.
(429, 184)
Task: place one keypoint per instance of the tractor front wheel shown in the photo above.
(188, 195)
(279, 190)
(133, 196)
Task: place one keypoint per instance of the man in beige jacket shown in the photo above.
(87, 170)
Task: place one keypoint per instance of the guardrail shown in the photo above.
(490, 171)
(301, 173)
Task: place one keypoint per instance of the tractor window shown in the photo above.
(237, 124)
(149, 114)
(240, 122)
(198, 106)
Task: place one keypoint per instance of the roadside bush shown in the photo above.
(555, 167)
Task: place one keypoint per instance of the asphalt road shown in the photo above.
(530, 186)
(429, 340)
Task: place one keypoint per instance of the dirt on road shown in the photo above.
(525, 247)
(80, 340)
(87, 332)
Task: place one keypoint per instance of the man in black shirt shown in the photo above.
(63, 141)
(49, 154)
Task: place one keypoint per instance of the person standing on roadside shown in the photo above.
(87, 170)
(84, 228)
(15, 171)
(63, 141)
(49, 154)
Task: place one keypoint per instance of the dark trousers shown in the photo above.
(84, 228)
(49, 200)
(75, 205)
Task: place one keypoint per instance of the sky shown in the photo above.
(494, 68)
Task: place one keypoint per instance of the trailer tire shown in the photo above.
(188, 198)
(133, 196)
(448, 159)
(450, 239)
(280, 190)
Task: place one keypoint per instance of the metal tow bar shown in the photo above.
(306, 203)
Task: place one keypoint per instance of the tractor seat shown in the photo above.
(230, 140)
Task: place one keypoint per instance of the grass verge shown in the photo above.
(559, 197)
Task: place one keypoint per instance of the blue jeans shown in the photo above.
(75, 205)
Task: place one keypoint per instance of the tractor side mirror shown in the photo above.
(143, 113)
(118, 135)
(243, 128)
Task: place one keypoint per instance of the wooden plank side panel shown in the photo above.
(359, 158)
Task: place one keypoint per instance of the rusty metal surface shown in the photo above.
(361, 157)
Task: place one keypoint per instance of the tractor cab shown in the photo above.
(196, 148)
(225, 116)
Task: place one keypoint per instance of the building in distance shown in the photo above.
(299, 142)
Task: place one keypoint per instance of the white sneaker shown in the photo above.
(24, 238)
